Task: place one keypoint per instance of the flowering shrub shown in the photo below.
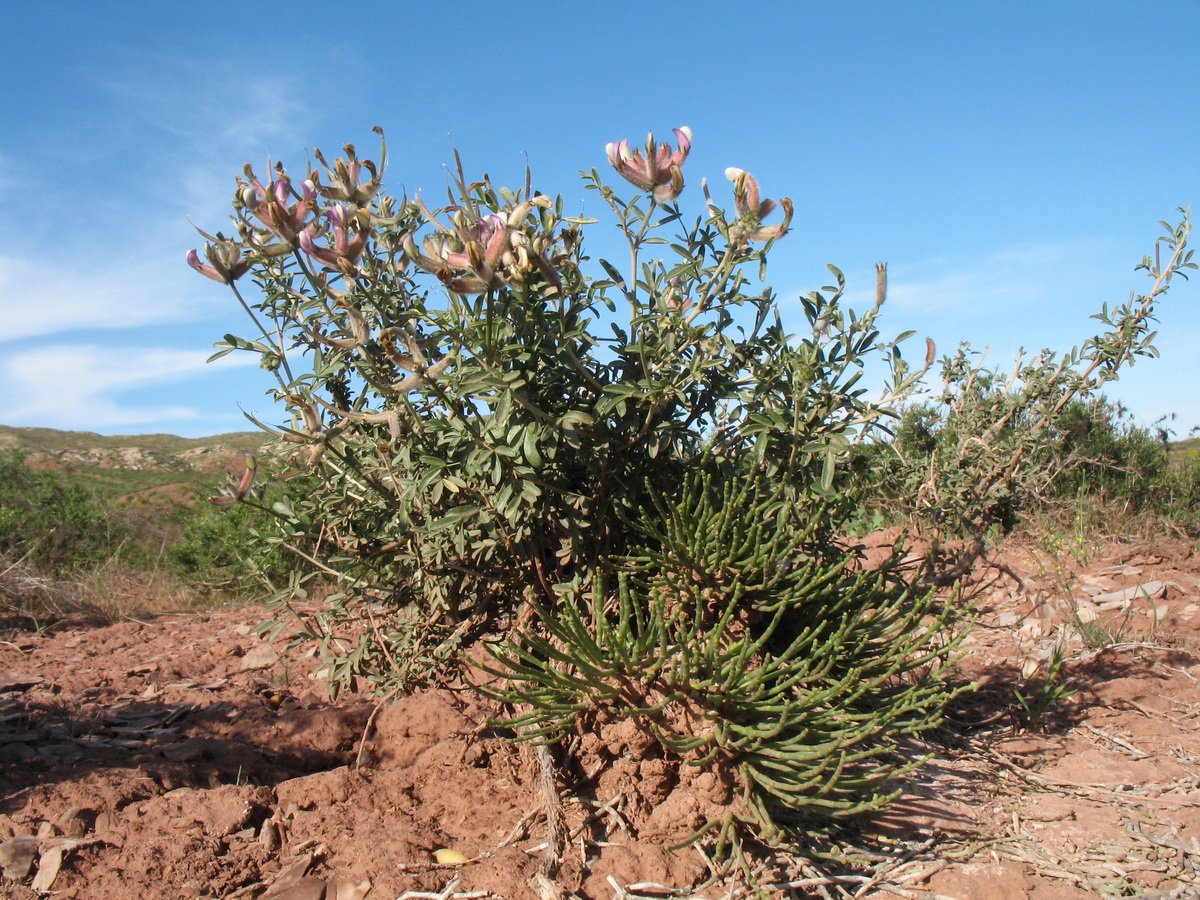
(622, 477)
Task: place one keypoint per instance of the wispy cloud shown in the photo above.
(41, 297)
(102, 226)
(103, 245)
(215, 101)
(1009, 279)
(82, 386)
(204, 119)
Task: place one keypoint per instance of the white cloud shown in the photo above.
(1011, 278)
(214, 98)
(103, 246)
(79, 386)
(39, 297)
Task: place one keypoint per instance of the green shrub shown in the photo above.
(744, 642)
(629, 479)
(995, 441)
(51, 523)
(1119, 463)
(500, 453)
(1112, 457)
(1092, 455)
(1176, 495)
(237, 549)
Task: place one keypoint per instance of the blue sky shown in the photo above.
(1009, 160)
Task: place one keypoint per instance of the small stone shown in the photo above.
(1147, 590)
(58, 752)
(304, 889)
(351, 889)
(290, 877)
(259, 658)
(17, 855)
(13, 681)
(268, 836)
(48, 867)
(73, 823)
(1121, 570)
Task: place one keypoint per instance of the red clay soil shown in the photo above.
(183, 757)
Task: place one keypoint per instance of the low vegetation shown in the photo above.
(628, 482)
(622, 489)
(81, 533)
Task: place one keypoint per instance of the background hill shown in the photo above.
(154, 469)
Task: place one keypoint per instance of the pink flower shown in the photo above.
(659, 171)
(477, 249)
(481, 252)
(271, 207)
(345, 175)
(349, 238)
(751, 210)
(226, 263)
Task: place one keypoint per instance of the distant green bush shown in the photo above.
(1120, 463)
(238, 548)
(1094, 453)
(1111, 456)
(49, 522)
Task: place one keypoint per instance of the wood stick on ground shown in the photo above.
(366, 733)
(555, 829)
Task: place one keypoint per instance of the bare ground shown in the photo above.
(183, 757)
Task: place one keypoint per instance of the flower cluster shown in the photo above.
(486, 251)
(349, 230)
(281, 220)
(276, 219)
(479, 251)
(751, 210)
(345, 176)
(660, 171)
